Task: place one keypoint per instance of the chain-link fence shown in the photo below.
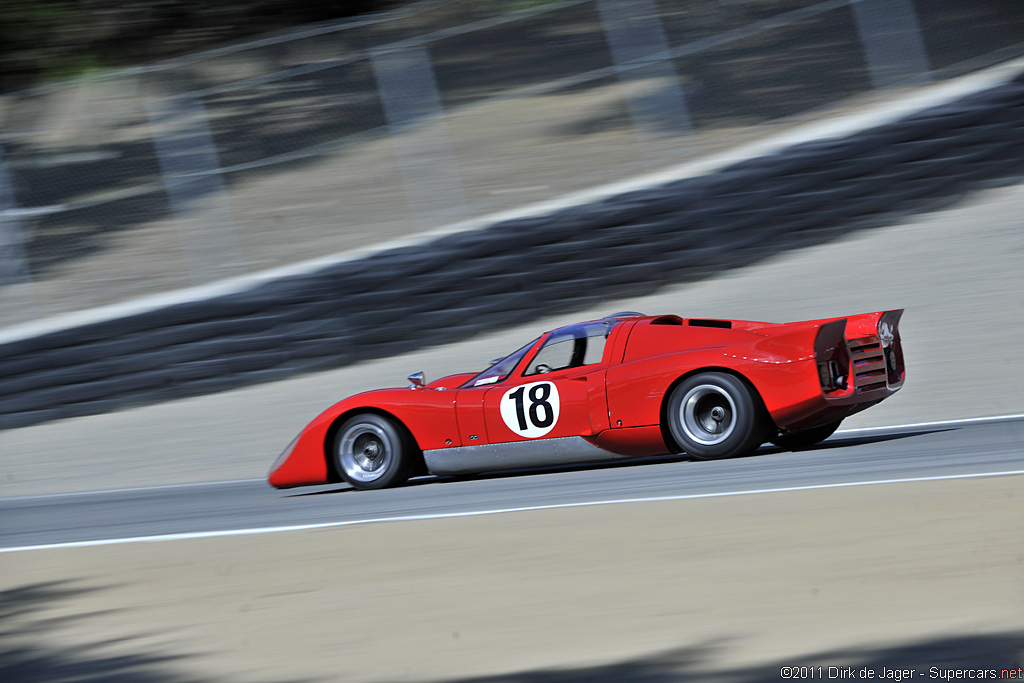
(343, 136)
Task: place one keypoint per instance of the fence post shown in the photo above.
(640, 51)
(195, 186)
(892, 42)
(430, 174)
(17, 299)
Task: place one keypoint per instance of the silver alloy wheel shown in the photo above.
(364, 452)
(707, 414)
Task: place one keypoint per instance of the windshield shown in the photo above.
(500, 370)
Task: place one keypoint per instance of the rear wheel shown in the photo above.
(807, 437)
(373, 452)
(713, 415)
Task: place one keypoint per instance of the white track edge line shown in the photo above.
(938, 423)
(479, 513)
(841, 432)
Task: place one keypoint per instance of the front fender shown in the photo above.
(427, 414)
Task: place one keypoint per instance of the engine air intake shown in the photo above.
(723, 324)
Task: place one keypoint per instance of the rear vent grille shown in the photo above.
(868, 364)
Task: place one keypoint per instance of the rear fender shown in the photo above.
(666, 433)
(784, 366)
(637, 391)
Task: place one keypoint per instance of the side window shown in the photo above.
(557, 354)
(595, 349)
(570, 347)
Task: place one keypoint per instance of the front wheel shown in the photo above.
(713, 415)
(372, 452)
(807, 437)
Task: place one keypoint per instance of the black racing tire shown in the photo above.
(372, 451)
(807, 437)
(713, 415)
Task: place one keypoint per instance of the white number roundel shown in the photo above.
(531, 410)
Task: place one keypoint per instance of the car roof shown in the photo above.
(608, 320)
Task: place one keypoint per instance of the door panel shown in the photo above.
(597, 401)
(541, 406)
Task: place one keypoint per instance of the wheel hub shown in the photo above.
(368, 457)
(707, 414)
(364, 452)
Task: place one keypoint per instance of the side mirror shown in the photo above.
(417, 380)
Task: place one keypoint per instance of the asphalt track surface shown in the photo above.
(985, 448)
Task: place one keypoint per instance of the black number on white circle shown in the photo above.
(531, 410)
(538, 402)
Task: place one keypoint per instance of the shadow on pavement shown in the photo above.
(29, 654)
(26, 656)
(841, 441)
(835, 442)
(929, 660)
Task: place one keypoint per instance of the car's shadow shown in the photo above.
(345, 488)
(837, 441)
(842, 441)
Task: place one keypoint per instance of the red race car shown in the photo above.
(628, 385)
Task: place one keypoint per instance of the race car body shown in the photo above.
(625, 386)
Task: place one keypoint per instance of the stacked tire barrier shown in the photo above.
(517, 270)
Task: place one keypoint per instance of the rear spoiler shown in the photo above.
(877, 324)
